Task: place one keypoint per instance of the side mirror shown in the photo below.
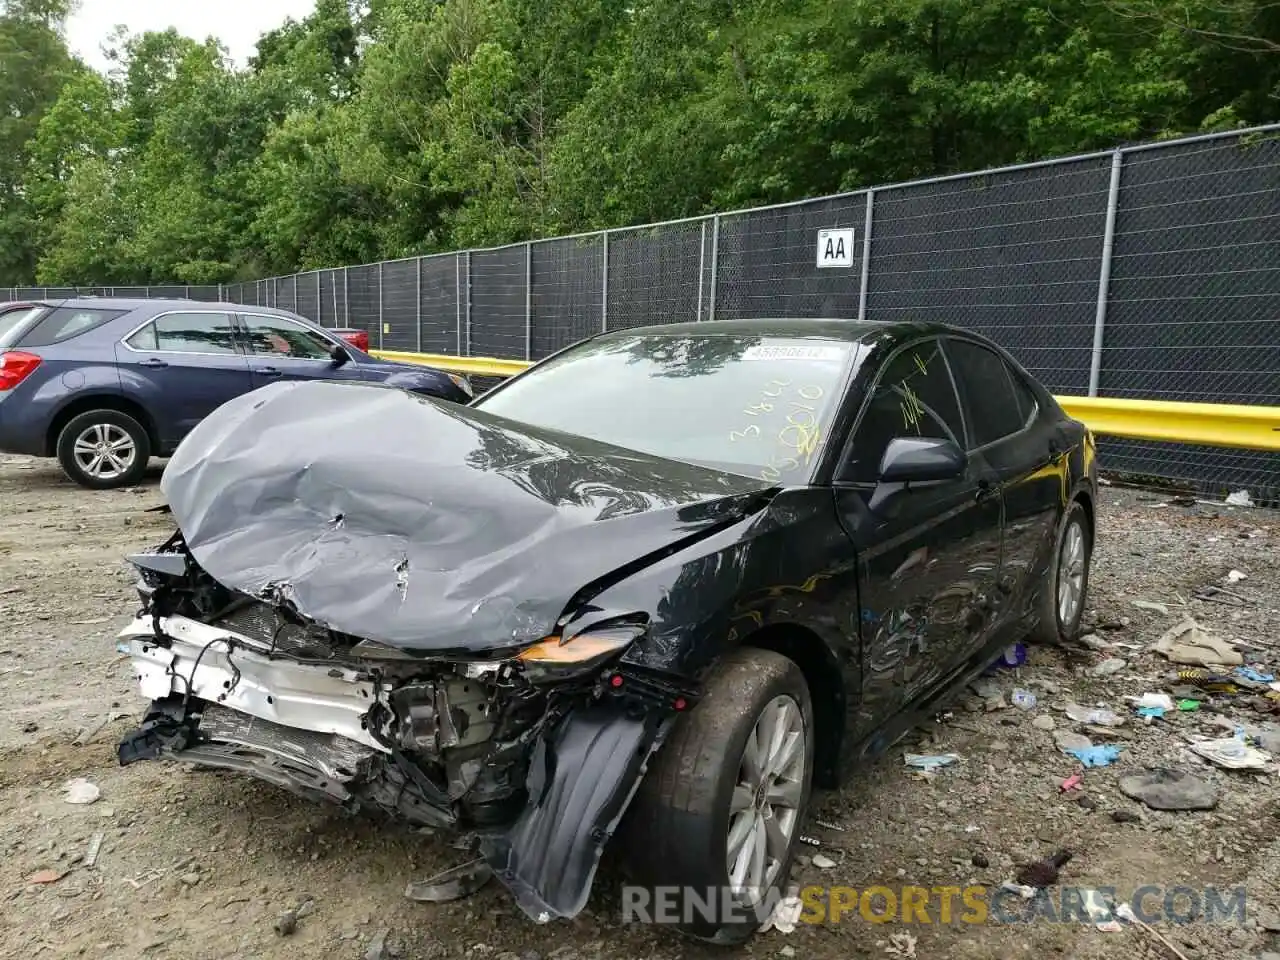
(920, 459)
(339, 355)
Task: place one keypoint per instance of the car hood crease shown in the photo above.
(422, 524)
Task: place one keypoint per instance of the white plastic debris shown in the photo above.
(1240, 498)
(1096, 717)
(1153, 701)
(1235, 576)
(901, 945)
(822, 862)
(1099, 911)
(930, 762)
(785, 915)
(81, 791)
(1231, 753)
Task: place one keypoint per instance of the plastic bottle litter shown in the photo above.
(1093, 716)
(930, 762)
(1023, 699)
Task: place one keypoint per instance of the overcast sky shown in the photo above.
(237, 23)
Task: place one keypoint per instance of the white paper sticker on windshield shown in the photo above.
(822, 353)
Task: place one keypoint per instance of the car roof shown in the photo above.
(827, 328)
(154, 305)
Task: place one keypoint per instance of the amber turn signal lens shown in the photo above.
(580, 648)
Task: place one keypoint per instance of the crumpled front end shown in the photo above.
(534, 753)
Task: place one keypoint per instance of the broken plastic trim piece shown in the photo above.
(581, 781)
(452, 884)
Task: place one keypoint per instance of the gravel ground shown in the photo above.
(202, 865)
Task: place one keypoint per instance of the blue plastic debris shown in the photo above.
(1100, 756)
(1151, 711)
(1254, 676)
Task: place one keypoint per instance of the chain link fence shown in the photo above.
(1151, 271)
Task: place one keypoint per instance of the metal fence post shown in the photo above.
(1104, 273)
(379, 305)
(604, 284)
(417, 300)
(865, 280)
(319, 301)
(186, 292)
(528, 300)
(333, 284)
(457, 301)
(715, 265)
(702, 258)
(468, 315)
(346, 300)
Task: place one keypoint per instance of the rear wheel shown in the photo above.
(101, 449)
(1066, 584)
(719, 815)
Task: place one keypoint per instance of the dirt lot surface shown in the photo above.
(195, 865)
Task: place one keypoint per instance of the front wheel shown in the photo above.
(714, 827)
(1066, 583)
(102, 449)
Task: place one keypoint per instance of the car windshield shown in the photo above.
(13, 322)
(753, 405)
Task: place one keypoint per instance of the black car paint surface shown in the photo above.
(490, 534)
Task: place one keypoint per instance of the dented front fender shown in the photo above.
(581, 779)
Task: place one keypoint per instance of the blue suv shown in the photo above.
(106, 384)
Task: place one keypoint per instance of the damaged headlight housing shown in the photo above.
(557, 658)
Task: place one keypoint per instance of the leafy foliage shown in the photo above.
(393, 127)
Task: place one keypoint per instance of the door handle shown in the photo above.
(269, 371)
(154, 362)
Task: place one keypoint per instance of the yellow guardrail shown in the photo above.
(475, 366)
(1211, 424)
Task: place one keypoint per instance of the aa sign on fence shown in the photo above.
(835, 248)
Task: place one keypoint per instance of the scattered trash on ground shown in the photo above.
(822, 862)
(1023, 699)
(930, 762)
(1099, 756)
(1094, 716)
(1235, 576)
(1072, 782)
(1162, 788)
(81, 791)
(95, 846)
(1231, 753)
(1239, 498)
(901, 945)
(1187, 642)
(785, 915)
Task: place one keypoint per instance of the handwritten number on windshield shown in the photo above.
(797, 438)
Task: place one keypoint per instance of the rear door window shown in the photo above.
(63, 323)
(992, 406)
(278, 337)
(187, 333)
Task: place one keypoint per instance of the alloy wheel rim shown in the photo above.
(764, 809)
(104, 451)
(1071, 561)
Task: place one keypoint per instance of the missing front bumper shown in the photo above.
(305, 727)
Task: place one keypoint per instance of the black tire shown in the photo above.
(677, 831)
(1050, 629)
(112, 422)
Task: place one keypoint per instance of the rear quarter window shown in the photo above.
(64, 323)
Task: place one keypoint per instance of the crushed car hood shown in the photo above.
(423, 525)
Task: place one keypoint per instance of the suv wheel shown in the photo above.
(719, 815)
(102, 449)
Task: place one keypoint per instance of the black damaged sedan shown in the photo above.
(659, 585)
